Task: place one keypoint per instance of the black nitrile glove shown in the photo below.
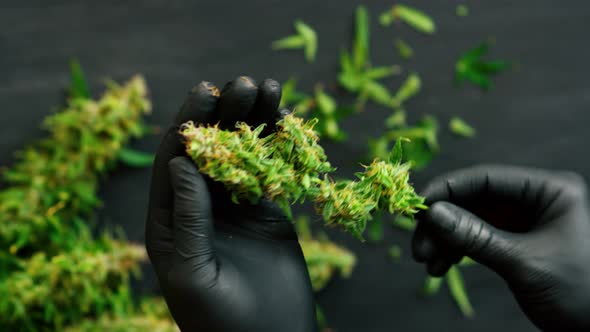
(224, 266)
(530, 226)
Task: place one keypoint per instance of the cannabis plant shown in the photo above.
(54, 181)
(53, 272)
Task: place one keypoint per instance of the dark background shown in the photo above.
(537, 115)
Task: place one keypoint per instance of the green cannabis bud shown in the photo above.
(58, 290)
(54, 181)
(54, 275)
(289, 166)
(152, 315)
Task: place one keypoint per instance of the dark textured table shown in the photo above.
(537, 115)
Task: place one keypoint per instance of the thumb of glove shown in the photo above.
(192, 217)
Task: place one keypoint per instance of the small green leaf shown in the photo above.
(78, 84)
(470, 67)
(458, 292)
(395, 157)
(135, 158)
(418, 153)
(302, 228)
(386, 18)
(377, 73)
(346, 62)
(415, 18)
(377, 93)
(350, 81)
(395, 253)
(290, 96)
(431, 285)
(462, 10)
(311, 39)
(396, 119)
(467, 261)
(404, 223)
(321, 320)
(404, 49)
(360, 53)
(287, 43)
(326, 104)
(375, 230)
(476, 52)
(461, 128)
(491, 67)
(409, 88)
(306, 38)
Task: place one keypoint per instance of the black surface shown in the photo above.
(537, 115)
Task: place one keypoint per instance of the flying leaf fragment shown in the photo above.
(78, 84)
(461, 128)
(360, 52)
(135, 158)
(462, 10)
(423, 141)
(404, 223)
(432, 285)
(395, 157)
(470, 67)
(375, 230)
(413, 17)
(404, 49)
(306, 39)
(458, 292)
(409, 88)
(395, 252)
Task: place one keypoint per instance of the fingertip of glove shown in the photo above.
(180, 168)
(441, 215)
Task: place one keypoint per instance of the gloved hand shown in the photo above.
(224, 266)
(530, 226)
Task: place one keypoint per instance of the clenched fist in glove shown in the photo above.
(224, 266)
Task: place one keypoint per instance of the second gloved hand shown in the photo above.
(530, 226)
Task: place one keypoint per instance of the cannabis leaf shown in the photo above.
(135, 158)
(422, 142)
(404, 223)
(375, 230)
(411, 16)
(356, 73)
(395, 157)
(404, 49)
(78, 84)
(306, 39)
(461, 128)
(455, 284)
(470, 67)
(395, 253)
(462, 11)
(458, 292)
(409, 88)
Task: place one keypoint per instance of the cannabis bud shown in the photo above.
(289, 166)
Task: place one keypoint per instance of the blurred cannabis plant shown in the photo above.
(54, 274)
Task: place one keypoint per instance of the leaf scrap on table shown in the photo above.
(461, 128)
(471, 67)
(306, 39)
(413, 17)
